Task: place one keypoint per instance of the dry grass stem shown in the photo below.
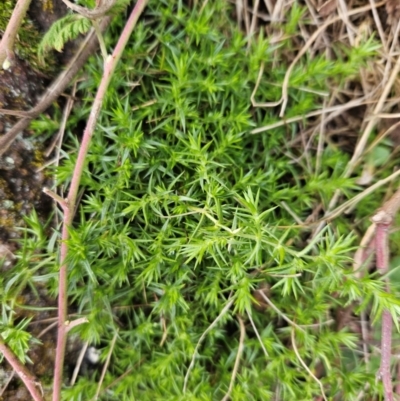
(203, 336)
(353, 201)
(257, 334)
(284, 97)
(79, 363)
(372, 122)
(279, 312)
(305, 366)
(237, 360)
(254, 20)
(105, 367)
(378, 25)
(58, 138)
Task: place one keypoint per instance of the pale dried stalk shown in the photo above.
(306, 367)
(105, 367)
(237, 360)
(285, 85)
(203, 336)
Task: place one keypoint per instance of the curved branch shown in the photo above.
(88, 46)
(7, 42)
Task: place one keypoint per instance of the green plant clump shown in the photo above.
(185, 246)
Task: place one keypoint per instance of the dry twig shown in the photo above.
(87, 47)
(383, 220)
(69, 203)
(9, 36)
(26, 376)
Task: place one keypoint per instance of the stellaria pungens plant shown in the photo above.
(182, 222)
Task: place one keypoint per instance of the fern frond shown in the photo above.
(62, 31)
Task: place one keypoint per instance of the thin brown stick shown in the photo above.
(239, 9)
(165, 330)
(268, 5)
(109, 68)
(253, 20)
(378, 25)
(57, 140)
(118, 379)
(26, 376)
(335, 110)
(71, 324)
(8, 40)
(321, 141)
(360, 255)
(364, 335)
(344, 14)
(48, 328)
(88, 47)
(383, 220)
(17, 113)
(278, 11)
(57, 198)
(355, 199)
(246, 17)
(378, 139)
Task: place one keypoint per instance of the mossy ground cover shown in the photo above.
(188, 255)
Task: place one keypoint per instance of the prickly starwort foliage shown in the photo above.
(188, 224)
